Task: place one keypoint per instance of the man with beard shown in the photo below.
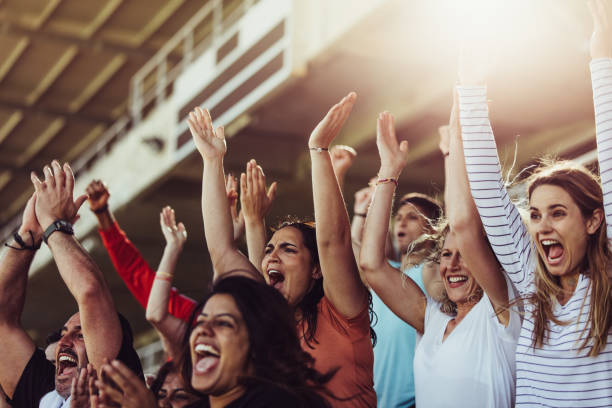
(91, 335)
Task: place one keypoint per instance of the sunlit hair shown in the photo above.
(275, 353)
(585, 190)
(308, 304)
(428, 248)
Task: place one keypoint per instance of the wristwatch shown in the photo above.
(58, 225)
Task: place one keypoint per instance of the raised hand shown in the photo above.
(393, 155)
(255, 200)
(54, 195)
(363, 198)
(132, 392)
(231, 187)
(342, 158)
(601, 40)
(30, 224)
(210, 144)
(330, 126)
(175, 235)
(97, 195)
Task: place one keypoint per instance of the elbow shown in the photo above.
(153, 317)
(91, 292)
(459, 223)
(369, 265)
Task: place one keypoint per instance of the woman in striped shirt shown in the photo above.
(560, 261)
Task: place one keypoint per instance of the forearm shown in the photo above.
(218, 228)
(376, 229)
(256, 241)
(157, 306)
(215, 211)
(501, 219)
(105, 219)
(331, 216)
(601, 76)
(14, 266)
(101, 328)
(129, 263)
(460, 208)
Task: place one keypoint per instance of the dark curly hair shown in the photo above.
(275, 352)
(308, 305)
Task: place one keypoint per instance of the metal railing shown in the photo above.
(142, 93)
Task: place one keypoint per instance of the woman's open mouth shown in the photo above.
(554, 251)
(207, 358)
(276, 278)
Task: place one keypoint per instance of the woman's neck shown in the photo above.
(568, 285)
(220, 401)
(463, 309)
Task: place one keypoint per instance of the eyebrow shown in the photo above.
(283, 245)
(65, 328)
(550, 207)
(221, 315)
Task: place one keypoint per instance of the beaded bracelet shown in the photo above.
(319, 149)
(386, 180)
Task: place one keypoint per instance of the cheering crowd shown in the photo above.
(475, 303)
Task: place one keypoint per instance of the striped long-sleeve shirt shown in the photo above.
(556, 374)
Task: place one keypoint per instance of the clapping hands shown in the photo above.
(54, 195)
(211, 145)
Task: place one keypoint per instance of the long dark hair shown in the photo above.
(308, 305)
(275, 353)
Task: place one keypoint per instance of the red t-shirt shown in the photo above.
(137, 274)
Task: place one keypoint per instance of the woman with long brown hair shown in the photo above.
(560, 260)
(317, 275)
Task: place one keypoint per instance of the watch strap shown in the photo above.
(58, 225)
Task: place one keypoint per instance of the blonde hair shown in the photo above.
(428, 248)
(584, 188)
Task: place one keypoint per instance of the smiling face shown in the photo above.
(409, 223)
(70, 355)
(173, 394)
(458, 281)
(559, 229)
(219, 347)
(288, 265)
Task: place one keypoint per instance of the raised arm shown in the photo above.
(226, 257)
(255, 202)
(14, 265)
(99, 320)
(341, 282)
(601, 76)
(231, 188)
(465, 222)
(132, 268)
(401, 295)
(342, 158)
(171, 329)
(501, 219)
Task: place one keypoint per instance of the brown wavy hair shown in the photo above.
(584, 188)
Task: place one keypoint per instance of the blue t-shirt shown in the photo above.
(394, 351)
